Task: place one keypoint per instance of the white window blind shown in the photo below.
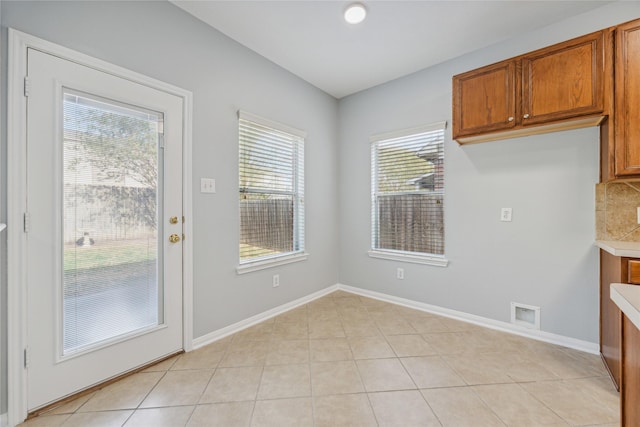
(407, 194)
(271, 189)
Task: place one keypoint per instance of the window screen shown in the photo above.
(271, 189)
(408, 191)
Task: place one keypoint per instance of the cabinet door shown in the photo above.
(627, 92)
(611, 271)
(563, 81)
(484, 100)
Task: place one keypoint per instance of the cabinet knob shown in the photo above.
(526, 116)
(510, 119)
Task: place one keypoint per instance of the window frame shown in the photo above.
(297, 194)
(392, 254)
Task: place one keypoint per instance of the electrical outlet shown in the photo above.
(638, 215)
(505, 214)
(276, 280)
(400, 273)
(207, 185)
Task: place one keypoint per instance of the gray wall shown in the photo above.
(160, 40)
(545, 257)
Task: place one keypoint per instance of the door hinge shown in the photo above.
(27, 222)
(26, 358)
(27, 86)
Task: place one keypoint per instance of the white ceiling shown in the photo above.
(312, 40)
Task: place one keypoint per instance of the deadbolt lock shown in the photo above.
(173, 220)
(174, 238)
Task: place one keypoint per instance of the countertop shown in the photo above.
(616, 248)
(627, 297)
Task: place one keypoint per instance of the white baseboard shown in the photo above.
(246, 323)
(586, 346)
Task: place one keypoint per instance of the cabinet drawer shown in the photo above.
(634, 272)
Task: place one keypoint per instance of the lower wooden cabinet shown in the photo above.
(614, 269)
(630, 374)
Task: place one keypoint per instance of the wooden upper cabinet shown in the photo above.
(556, 88)
(484, 99)
(627, 99)
(563, 81)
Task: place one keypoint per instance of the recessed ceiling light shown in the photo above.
(355, 13)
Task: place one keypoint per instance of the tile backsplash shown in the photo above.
(617, 211)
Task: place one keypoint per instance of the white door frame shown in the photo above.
(19, 42)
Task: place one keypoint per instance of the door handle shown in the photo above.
(174, 238)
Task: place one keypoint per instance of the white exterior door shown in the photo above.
(103, 228)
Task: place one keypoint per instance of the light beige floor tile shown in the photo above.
(296, 412)
(46, 421)
(297, 315)
(260, 332)
(428, 325)
(232, 384)
(164, 366)
(354, 315)
(348, 301)
(460, 407)
(480, 368)
(245, 353)
(515, 406)
(600, 389)
(174, 416)
(326, 329)
(232, 414)
(70, 407)
(447, 343)
(178, 388)
(410, 345)
(371, 302)
(127, 393)
(202, 358)
(384, 375)
(431, 371)
(98, 419)
(330, 349)
(290, 331)
(370, 347)
(285, 381)
(564, 365)
(398, 326)
(288, 352)
(589, 361)
(572, 402)
(410, 313)
(461, 342)
(244, 346)
(323, 314)
(361, 328)
(335, 378)
(402, 409)
(344, 410)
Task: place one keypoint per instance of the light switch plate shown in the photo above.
(207, 185)
(505, 214)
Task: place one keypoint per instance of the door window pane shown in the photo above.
(111, 256)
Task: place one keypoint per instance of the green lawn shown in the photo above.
(108, 254)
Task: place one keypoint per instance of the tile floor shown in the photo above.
(346, 360)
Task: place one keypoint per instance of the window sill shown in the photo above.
(272, 262)
(416, 259)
